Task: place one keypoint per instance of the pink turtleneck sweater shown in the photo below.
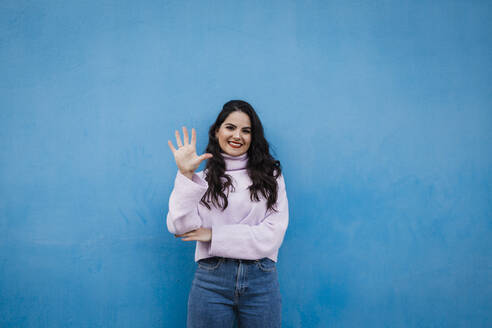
(244, 230)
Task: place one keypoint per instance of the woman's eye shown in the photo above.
(232, 128)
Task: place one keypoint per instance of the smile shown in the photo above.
(234, 144)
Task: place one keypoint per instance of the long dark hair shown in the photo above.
(262, 168)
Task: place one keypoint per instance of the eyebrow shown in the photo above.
(246, 127)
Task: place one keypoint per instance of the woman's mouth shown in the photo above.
(234, 144)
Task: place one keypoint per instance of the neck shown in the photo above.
(234, 163)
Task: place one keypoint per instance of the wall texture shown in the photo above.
(379, 111)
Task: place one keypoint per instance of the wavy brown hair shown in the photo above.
(262, 168)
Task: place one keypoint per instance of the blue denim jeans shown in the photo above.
(225, 290)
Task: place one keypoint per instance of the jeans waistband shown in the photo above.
(237, 260)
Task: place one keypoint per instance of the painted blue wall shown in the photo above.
(379, 111)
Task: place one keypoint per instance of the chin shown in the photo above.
(235, 152)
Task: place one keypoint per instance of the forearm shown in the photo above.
(183, 213)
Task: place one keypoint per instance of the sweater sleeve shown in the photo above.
(253, 241)
(183, 204)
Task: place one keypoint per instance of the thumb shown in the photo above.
(205, 156)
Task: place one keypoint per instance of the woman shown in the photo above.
(237, 211)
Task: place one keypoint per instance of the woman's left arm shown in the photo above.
(253, 242)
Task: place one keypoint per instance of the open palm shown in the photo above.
(186, 157)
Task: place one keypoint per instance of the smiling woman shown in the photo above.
(236, 209)
(234, 134)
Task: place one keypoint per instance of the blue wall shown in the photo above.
(379, 111)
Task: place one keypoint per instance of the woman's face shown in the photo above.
(234, 135)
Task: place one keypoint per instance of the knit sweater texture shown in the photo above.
(244, 230)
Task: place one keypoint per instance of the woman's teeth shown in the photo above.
(235, 145)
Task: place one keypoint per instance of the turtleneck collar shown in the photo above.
(234, 163)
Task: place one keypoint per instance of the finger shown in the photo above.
(193, 137)
(178, 139)
(186, 234)
(186, 138)
(171, 146)
(205, 156)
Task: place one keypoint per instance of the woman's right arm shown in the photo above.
(188, 186)
(183, 203)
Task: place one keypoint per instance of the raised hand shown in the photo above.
(186, 158)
